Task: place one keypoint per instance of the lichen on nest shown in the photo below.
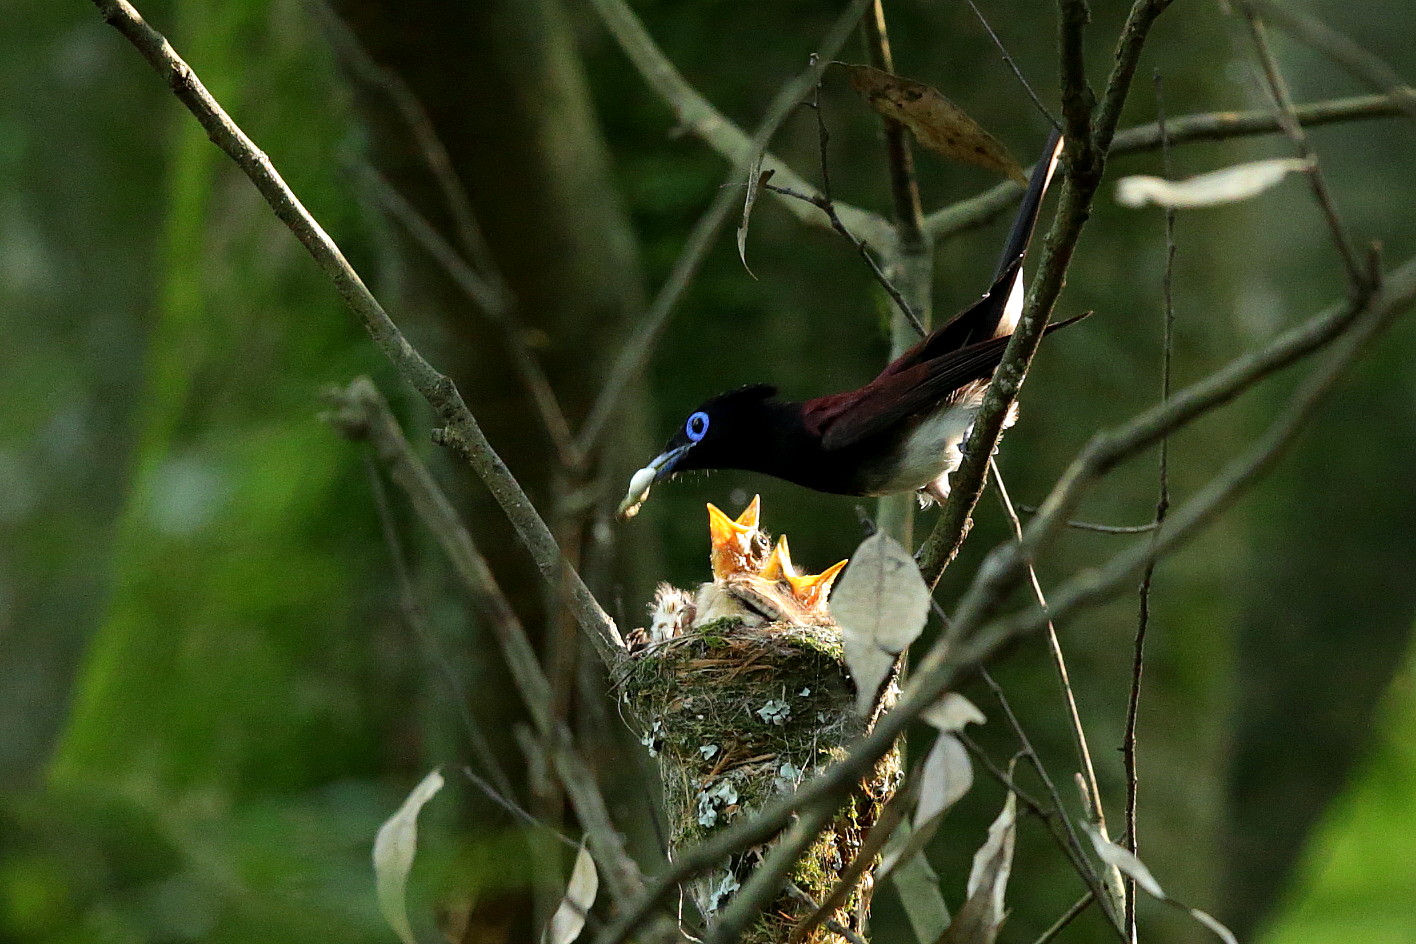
(739, 708)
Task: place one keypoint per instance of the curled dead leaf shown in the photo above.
(935, 122)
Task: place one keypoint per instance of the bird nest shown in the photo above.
(741, 707)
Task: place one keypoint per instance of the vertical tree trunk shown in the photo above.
(504, 88)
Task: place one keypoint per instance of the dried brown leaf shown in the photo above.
(936, 122)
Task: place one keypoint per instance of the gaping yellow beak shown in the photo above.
(779, 565)
(811, 591)
(734, 550)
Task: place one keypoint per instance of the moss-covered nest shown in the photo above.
(736, 715)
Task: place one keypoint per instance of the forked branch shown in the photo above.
(462, 431)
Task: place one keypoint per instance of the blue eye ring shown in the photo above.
(696, 427)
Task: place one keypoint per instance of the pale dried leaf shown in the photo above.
(993, 862)
(881, 604)
(1230, 184)
(981, 916)
(936, 122)
(952, 712)
(917, 886)
(756, 177)
(1125, 860)
(947, 776)
(569, 919)
(394, 849)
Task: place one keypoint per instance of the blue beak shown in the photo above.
(663, 465)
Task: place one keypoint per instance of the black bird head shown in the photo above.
(717, 434)
(722, 433)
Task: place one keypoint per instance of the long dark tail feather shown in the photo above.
(1026, 220)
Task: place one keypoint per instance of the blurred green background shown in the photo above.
(211, 689)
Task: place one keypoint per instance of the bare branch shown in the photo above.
(1357, 61)
(698, 116)
(1078, 99)
(980, 210)
(494, 305)
(1018, 73)
(1283, 105)
(417, 622)
(361, 413)
(1225, 125)
(1162, 507)
(1069, 696)
(1134, 33)
(637, 348)
(441, 393)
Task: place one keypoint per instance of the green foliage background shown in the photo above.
(209, 695)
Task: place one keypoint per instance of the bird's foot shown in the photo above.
(935, 493)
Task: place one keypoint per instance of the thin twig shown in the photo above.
(1060, 823)
(462, 430)
(1068, 916)
(1356, 60)
(634, 354)
(413, 616)
(1162, 507)
(430, 147)
(1093, 526)
(697, 116)
(1283, 106)
(1002, 777)
(860, 246)
(361, 413)
(510, 806)
(493, 304)
(1022, 80)
(1097, 812)
(828, 206)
